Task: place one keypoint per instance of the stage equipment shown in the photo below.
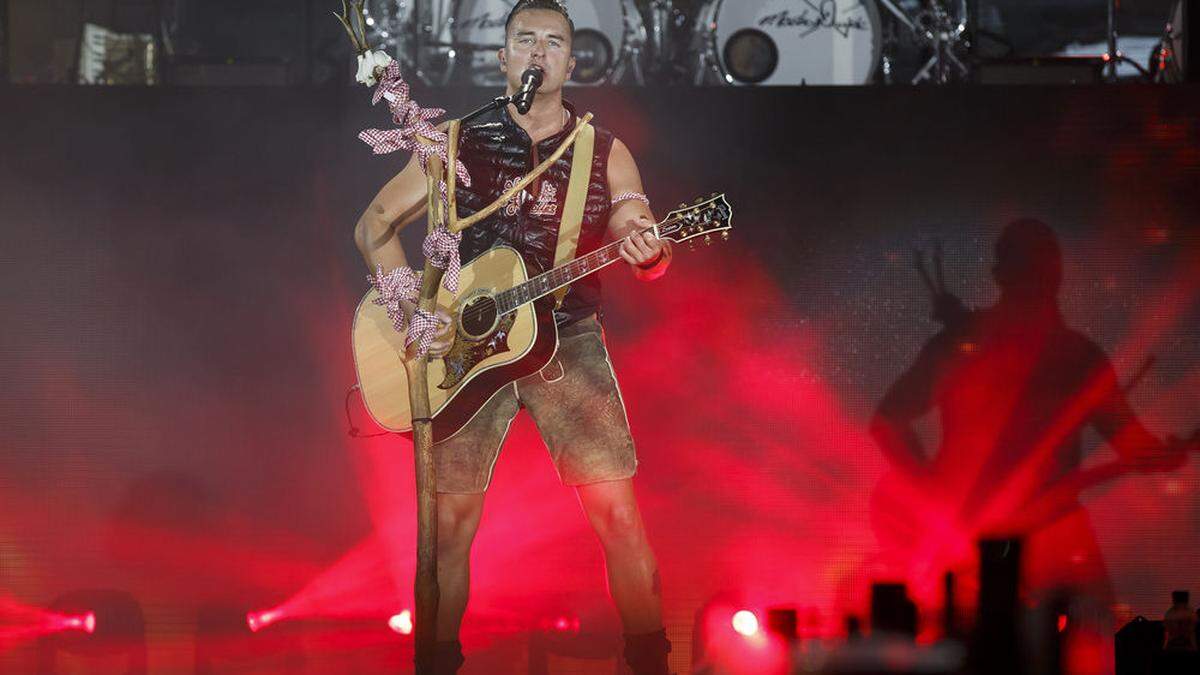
(892, 612)
(531, 81)
(1172, 62)
(786, 42)
(504, 325)
(744, 622)
(996, 645)
(401, 623)
(1136, 644)
(103, 623)
(941, 26)
(417, 34)
(108, 57)
(447, 41)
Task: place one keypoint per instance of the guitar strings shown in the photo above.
(474, 312)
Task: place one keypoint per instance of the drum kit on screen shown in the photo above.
(721, 42)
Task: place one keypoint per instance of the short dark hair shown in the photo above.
(552, 5)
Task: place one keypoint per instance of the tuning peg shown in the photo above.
(707, 240)
(682, 205)
(713, 195)
(725, 235)
(698, 200)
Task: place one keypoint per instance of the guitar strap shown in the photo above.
(577, 189)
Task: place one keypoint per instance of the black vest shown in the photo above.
(497, 153)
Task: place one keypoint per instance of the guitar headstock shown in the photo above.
(705, 217)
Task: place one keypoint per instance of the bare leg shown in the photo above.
(458, 520)
(633, 579)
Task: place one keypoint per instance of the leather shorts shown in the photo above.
(577, 407)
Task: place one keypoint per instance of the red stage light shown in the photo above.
(1062, 623)
(260, 620)
(402, 623)
(745, 622)
(84, 622)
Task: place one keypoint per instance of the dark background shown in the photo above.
(178, 277)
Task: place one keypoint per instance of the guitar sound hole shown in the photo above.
(478, 316)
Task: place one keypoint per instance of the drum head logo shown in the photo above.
(810, 16)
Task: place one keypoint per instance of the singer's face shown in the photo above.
(542, 38)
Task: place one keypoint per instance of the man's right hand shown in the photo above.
(443, 340)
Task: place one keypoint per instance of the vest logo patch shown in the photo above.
(546, 204)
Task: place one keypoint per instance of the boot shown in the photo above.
(447, 658)
(646, 653)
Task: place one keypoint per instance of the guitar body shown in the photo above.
(489, 350)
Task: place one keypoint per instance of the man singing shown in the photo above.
(575, 400)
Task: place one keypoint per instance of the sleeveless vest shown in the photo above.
(497, 153)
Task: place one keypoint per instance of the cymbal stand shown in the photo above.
(631, 51)
(943, 32)
(1113, 55)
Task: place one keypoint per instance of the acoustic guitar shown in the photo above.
(503, 327)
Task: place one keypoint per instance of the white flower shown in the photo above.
(370, 64)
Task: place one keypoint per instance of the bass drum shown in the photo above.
(391, 26)
(604, 31)
(789, 42)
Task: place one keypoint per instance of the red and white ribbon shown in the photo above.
(441, 249)
(412, 122)
(400, 284)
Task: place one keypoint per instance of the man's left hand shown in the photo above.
(642, 246)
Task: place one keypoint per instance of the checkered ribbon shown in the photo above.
(413, 123)
(393, 287)
(441, 249)
(404, 284)
(422, 331)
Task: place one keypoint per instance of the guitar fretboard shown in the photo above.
(548, 282)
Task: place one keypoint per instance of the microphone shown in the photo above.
(531, 79)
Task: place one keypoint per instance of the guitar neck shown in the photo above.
(546, 283)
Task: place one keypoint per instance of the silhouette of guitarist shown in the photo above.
(1015, 388)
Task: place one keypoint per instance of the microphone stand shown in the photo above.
(495, 104)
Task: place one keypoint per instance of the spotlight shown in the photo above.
(745, 622)
(559, 623)
(402, 623)
(84, 622)
(260, 620)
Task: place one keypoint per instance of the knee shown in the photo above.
(457, 524)
(621, 524)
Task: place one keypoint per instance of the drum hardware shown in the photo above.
(664, 20)
(415, 33)
(1169, 60)
(940, 30)
(786, 42)
(1112, 55)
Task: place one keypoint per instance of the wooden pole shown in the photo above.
(426, 592)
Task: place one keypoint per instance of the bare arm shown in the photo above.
(1116, 421)
(400, 202)
(908, 399)
(632, 216)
